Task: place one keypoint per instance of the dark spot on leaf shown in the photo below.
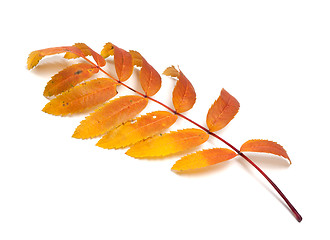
(78, 72)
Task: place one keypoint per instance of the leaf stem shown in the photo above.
(294, 211)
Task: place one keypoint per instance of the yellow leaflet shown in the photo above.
(132, 132)
(203, 158)
(169, 143)
(111, 115)
(82, 97)
(68, 78)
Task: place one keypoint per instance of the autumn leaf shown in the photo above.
(82, 97)
(265, 146)
(68, 78)
(144, 135)
(203, 159)
(149, 78)
(37, 55)
(123, 60)
(222, 111)
(168, 143)
(132, 132)
(111, 115)
(184, 95)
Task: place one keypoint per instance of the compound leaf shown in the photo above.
(111, 115)
(168, 143)
(222, 111)
(82, 97)
(265, 146)
(203, 158)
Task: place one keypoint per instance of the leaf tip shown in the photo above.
(108, 50)
(33, 59)
(175, 169)
(137, 58)
(132, 153)
(171, 72)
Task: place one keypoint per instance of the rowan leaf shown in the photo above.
(203, 159)
(265, 146)
(36, 56)
(184, 95)
(222, 111)
(111, 115)
(82, 97)
(134, 131)
(149, 78)
(168, 143)
(143, 134)
(68, 78)
(123, 60)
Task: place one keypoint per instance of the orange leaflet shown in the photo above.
(37, 55)
(172, 72)
(87, 52)
(111, 115)
(184, 95)
(137, 58)
(222, 111)
(68, 78)
(123, 60)
(132, 132)
(169, 143)
(82, 97)
(203, 158)
(83, 47)
(149, 78)
(258, 145)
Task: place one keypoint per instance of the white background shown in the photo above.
(273, 56)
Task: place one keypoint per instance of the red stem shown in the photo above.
(294, 211)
